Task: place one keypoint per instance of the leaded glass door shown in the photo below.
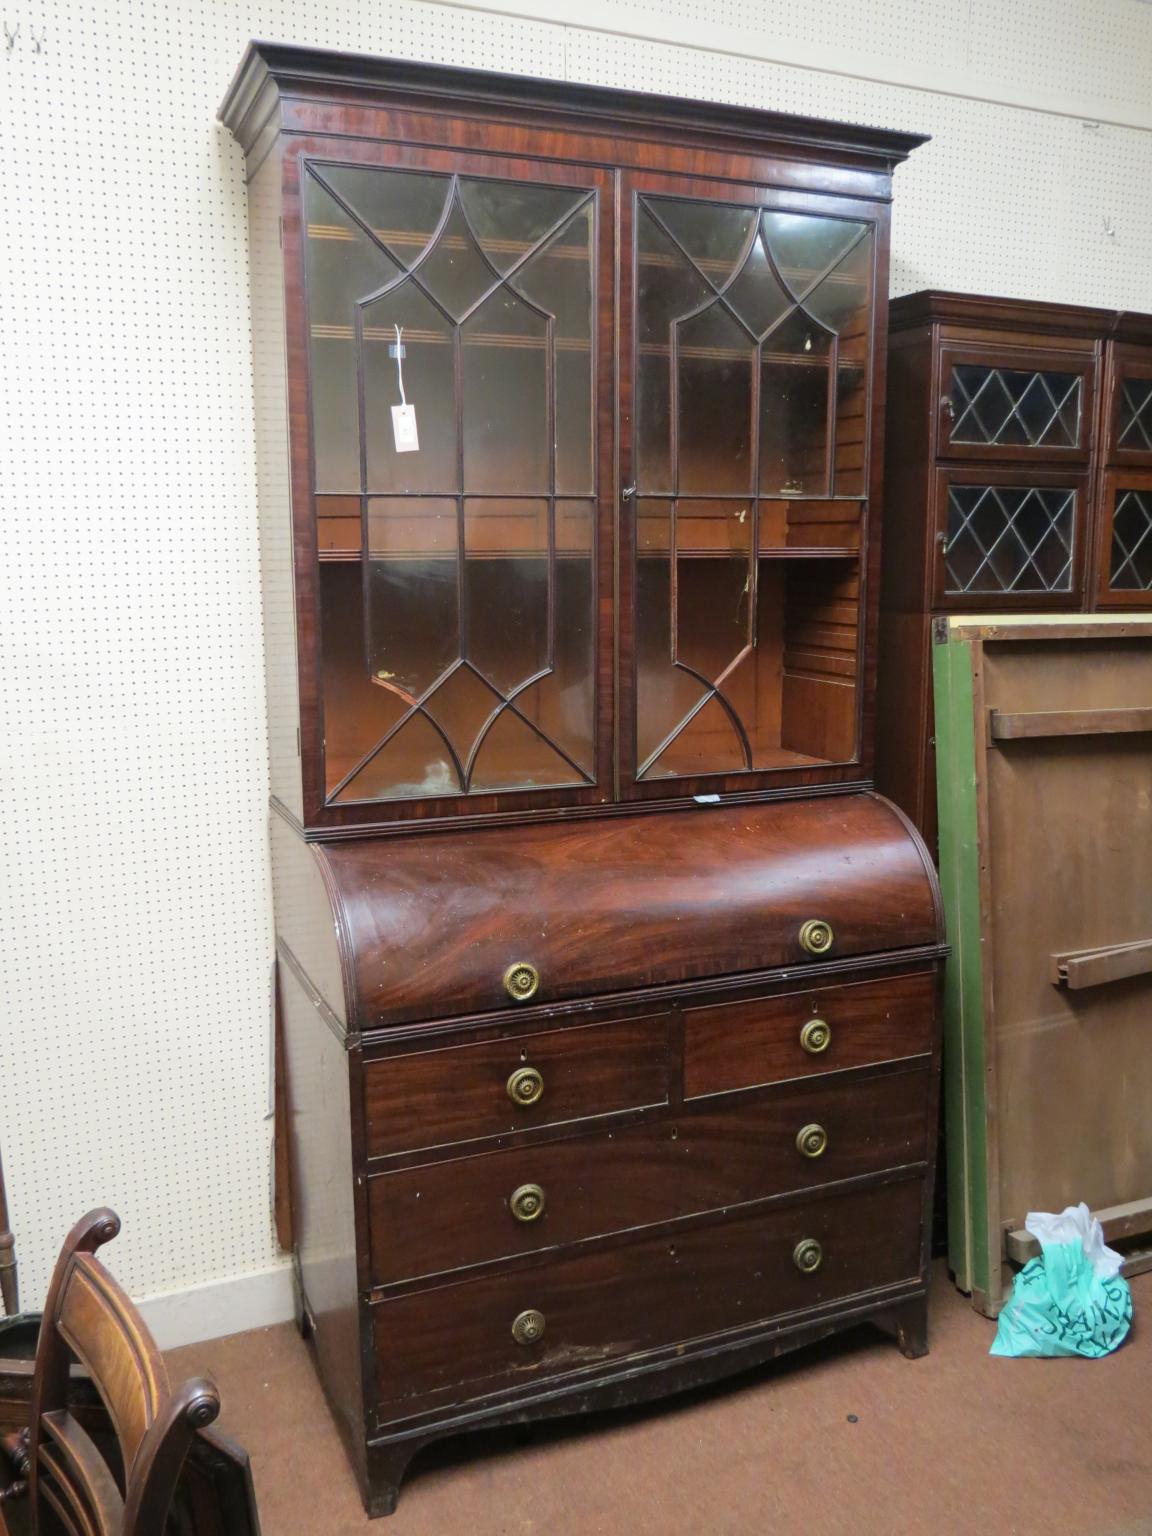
(745, 447)
(1016, 403)
(1129, 425)
(455, 368)
(1124, 559)
(1009, 538)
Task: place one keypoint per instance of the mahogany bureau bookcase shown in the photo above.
(607, 983)
(1018, 479)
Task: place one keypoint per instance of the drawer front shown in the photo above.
(458, 1093)
(468, 1211)
(615, 1302)
(742, 1045)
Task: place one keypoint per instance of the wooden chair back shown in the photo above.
(73, 1488)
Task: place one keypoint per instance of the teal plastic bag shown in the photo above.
(1072, 1299)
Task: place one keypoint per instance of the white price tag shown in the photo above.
(404, 429)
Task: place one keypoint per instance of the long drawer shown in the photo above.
(767, 1040)
(505, 1329)
(447, 1215)
(460, 1093)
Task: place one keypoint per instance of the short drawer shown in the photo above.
(504, 1330)
(460, 1093)
(448, 1215)
(741, 1045)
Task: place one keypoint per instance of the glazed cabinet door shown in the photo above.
(1124, 557)
(1015, 403)
(1009, 538)
(1128, 425)
(456, 315)
(747, 351)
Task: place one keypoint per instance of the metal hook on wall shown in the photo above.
(10, 37)
(38, 42)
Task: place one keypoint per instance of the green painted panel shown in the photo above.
(964, 1062)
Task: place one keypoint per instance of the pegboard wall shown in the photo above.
(135, 913)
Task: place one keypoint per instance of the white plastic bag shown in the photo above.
(1072, 1299)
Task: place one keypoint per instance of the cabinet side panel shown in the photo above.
(904, 696)
(323, 1199)
(274, 499)
(305, 920)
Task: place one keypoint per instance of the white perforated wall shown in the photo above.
(134, 900)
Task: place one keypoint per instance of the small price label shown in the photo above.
(404, 429)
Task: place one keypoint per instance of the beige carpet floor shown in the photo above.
(954, 1445)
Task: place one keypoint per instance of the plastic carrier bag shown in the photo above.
(1071, 1299)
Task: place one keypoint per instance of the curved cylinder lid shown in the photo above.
(431, 925)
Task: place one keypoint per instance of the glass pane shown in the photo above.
(462, 706)
(664, 692)
(411, 596)
(454, 271)
(509, 217)
(794, 409)
(1015, 407)
(564, 701)
(842, 299)
(756, 295)
(338, 527)
(505, 400)
(343, 266)
(506, 589)
(558, 279)
(715, 360)
(803, 244)
(413, 764)
(714, 235)
(1131, 542)
(428, 386)
(357, 714)
(708, 742)
(402, 208)
(1009, 539)
(667, 288)
(714, 584)
(516, 756)
(1134, 423)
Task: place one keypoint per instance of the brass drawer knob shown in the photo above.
(811, 1141)
(521, 981)
(527, 1202)
(525, 1086)
(808, 1256)
(816, 936)
(816, 1036)
(528, 1327)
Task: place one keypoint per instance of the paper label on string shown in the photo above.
(404, 428)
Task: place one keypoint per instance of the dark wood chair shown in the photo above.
(87, 1316)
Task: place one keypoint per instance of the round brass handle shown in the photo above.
(527, 1202)
(811, 1141)
(521, 981)
(525, 1086)
(808, 1256)
(528, 1327)
(816, 1036)
(816, 936)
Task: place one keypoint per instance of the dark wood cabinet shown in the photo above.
(1018, 478)
(607, 984)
